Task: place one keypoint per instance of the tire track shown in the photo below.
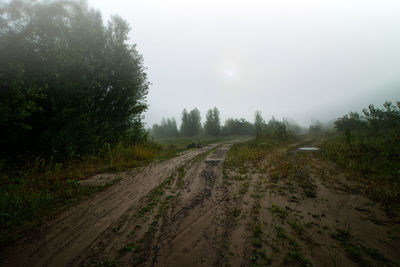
(72, 234)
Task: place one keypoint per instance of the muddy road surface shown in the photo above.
(165, 213)
(201, 208)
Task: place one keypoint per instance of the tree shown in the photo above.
(259, 123)
(238, 127)
(68, 83)
(315, 128)
(191, 123)
(167, 129)
(212, 125)
(277, 129)
(185, 125)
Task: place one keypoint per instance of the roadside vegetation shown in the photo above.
(71, 100)
(368, 145)
(273, 179)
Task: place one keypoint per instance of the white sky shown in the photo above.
(301, 59)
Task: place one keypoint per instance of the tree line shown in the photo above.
(191, 126)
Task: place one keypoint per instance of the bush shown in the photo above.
(368, 145)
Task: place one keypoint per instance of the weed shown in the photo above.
(377, 256)
(181, 174)
(316, 216)
(297, 226)
(102, 264)
(244, 187)
(341, 235)
(280, 233)
(294, 258)
(355, 253)
(279, 212)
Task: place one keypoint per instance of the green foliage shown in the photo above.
(212, 126)
(315, 128)
(167, 129)
(68, 83)
(238, 127)
(368, 145)
(274, 129)
(251, 153)
(277, 129)
(295, 258)
(259, 123)
(191, 123)
(373, 121)
(341, 235)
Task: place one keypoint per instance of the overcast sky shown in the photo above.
(302, 59)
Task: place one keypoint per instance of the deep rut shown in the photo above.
(193, 230)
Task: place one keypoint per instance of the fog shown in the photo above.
(304, 60)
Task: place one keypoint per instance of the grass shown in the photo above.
(244, 187)
(23, 205)
(358, 252)
(304, 179)
(102, 264)
(181, 173)
(342, 235)
(157, 198)
(279, 212)
(180, 143)
(250, 154)
(298, 227)
(294, 258)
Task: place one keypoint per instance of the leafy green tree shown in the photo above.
(315, 128)
(185, 125)
(67, 82)
(277, 129)
(352, 121)
(191, 123)
(259, 123)
(166, 129)
(212, 125)
(238, 127)
(373, 119)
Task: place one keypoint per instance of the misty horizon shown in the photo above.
(304, 61)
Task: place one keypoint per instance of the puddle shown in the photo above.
(212, 161)
(308, 148)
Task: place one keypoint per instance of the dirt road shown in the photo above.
(99, 228)
(194, 211)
